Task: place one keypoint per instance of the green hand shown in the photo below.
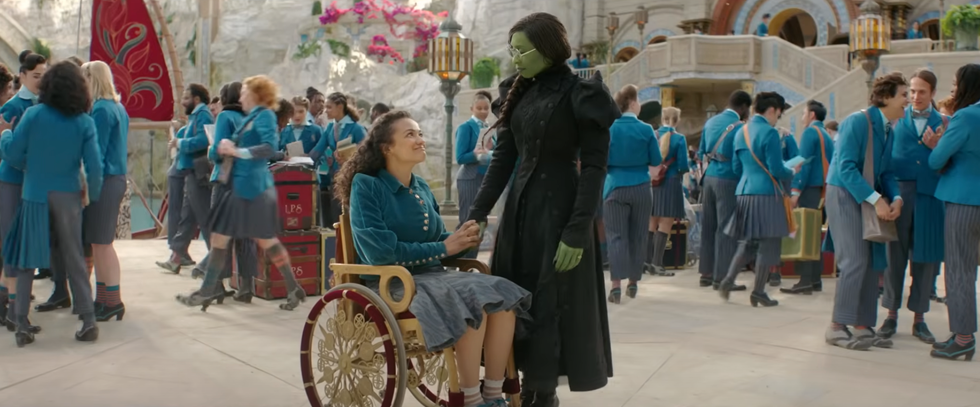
(567, 258)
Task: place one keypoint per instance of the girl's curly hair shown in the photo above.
(370, 155)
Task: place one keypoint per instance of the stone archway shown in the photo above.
(930, 29)
(657, 39)
(796, 26)
(625, 54)
(741, 17)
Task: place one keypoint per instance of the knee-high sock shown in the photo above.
(279, 257)
(660, 245)
(212, 275)
(651, 250)
(25, 284)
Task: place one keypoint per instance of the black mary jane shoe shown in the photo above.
(954, 350)
(105, 312)
(23, 339)
(243, 297)
(615, 295)
(87, 334)
(195, 299)
(735, 287)
(798, 289)
(762, 298)
(887, 329)
(12, 326)
(921, 330)
(631, 290)
(53, 305)
(944, 344)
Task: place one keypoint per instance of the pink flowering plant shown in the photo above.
(420, 26)
(380, 49)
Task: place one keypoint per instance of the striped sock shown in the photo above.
(493, 389)
(919, 317)
(892, 315)
(472, 396)
(100, 293)
(963, 340)
(112, 297)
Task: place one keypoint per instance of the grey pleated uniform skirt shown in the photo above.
(9, 202)
(245, 250)
(447, 302)
(757, 217)
(240, 218)
(668, 199)
(100, 217)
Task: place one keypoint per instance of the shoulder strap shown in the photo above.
(748, 145)
(714, 150)
(823, 152)
(869, 166)
(241, 129)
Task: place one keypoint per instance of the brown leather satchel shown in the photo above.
(875, 228)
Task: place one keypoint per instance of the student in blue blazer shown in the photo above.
(808, 186)
(718, 194)
(957, 156)
(247, 208)
(32, 68)
(184, 176)
(300, 128)
(855, 304)
(627, 199)
(344, 126)
(472, 157)
(100, 218)
(920, 225)
(50, 215)
(759, 221)
(668, 197)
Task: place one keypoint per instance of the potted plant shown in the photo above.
(963, 24)
(484, 72)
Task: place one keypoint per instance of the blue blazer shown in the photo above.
(811, 173)
(910, 158)
(762, 30)
(54, 169)
(259, 132)
(112, 127)
(467, 136)
(323, 157)
(847, 166)
(753, 179)
(633, 149)
(958, 152)
(714, 128)
(677, 152)
(789, 147)
(195, 140)
(14, 110)
(225, 126)
(310, 136)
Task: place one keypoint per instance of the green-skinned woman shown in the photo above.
(547, 242)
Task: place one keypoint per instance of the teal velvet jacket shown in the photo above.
(112, 127)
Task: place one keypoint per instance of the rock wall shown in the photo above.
(487, 22)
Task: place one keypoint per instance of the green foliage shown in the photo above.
(484, 72)
(317, 8)
(419, 63)
(339, 48)
(597, 51)
(191, 47)
(38, 46)
(307, 49)
(961, 17)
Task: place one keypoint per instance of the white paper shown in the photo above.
(209, 131)
(795, 161)
(300, 160)
(344, 143)
(295, 149)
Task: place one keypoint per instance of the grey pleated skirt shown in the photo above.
(668, 199)
(757, 217)
(240, 218)
(447, 302)
(100, 217)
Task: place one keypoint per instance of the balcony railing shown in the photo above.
(586, 73)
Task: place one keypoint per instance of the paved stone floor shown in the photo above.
(675, 345)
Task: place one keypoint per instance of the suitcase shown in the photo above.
(296, 191)
(829, 265)
(805, 244)
(675, 255)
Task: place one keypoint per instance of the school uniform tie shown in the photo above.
(920, 114)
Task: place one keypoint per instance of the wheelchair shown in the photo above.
(364, 349)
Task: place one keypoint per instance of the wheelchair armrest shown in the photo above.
(385, 274)
(467, 265)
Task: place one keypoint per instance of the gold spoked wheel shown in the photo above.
(352, 354)
(428, 379)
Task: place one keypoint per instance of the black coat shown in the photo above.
(559, 120)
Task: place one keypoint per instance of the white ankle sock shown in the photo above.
(493, 389)
(472, 396)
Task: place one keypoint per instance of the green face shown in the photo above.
(528, 61)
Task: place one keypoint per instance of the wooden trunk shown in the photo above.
(805, 244)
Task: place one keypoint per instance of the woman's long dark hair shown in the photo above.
(370, 155)
(338, 98)
(231, 95)
(967, 86)
(550, 39)
(64, 88)
(284, 113)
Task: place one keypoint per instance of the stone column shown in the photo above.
(667, 95)
(749, 87)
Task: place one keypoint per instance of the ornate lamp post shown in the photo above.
(711, 111)
(451, 59)
(870, 37)
(641, 16)
(612, 27)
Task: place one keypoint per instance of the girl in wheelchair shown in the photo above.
(395, 221)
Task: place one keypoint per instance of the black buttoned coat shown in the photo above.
(561, 119)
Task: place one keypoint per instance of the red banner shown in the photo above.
(123, 36)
